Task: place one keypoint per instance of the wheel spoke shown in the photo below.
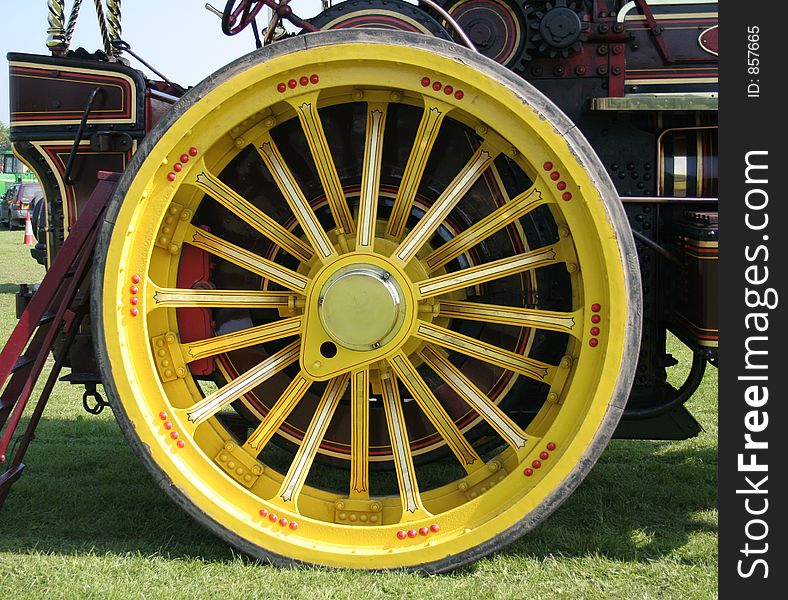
(437, 415)
(485, 352)
(427, 133)
(370, 177)
(432, 219)
(295, 199)
(180, 298)
(248, 260)
(299, 469)
(474, 397)
(400, 447)
(459, 280)
(565, 322)
(359, 433)
(495, 221)
(211, 404)
(242, 339)
(235, 203)
(306, 108)
(278, 413)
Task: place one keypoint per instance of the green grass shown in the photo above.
(86, 521)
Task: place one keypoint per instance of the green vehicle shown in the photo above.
(13, 170)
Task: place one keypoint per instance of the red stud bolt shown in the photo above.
(551, 445)
(425, 81)
(293, 525)
(401, 534)
(163, 416)
(596, 307)
(178, 167)
(544, 455)
(536, 464)
(411, 533)
(424, 530)
(135, 279)
(184, 158)
(304, 80)
(181, 444)
(595, 318)
(547, 166)
(193, 151)
(448, 90)
(555, 175)
(283, 522)
(595, 331)
(263, 512)
(561, 185)
(314, 78)
(171, 176)
(281, 88)
(435, 528)
(593, 342)
(174, 435)
(459, 95)
(273, 518)
(134, 300)
(134, 312)
(134, 289)
(167, 425)
(567, 196)
(292, 83)
(437, 86)
(528, 472)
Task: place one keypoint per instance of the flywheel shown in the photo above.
(367, 299)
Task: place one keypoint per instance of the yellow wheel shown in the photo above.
(366, 299)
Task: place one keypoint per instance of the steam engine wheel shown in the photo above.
(413, 279)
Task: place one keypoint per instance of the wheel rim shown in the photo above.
(506, 481)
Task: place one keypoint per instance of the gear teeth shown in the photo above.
(535, 12)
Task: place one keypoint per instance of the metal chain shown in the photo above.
(56, 41)
(103, 26)
(115, 29)
(72, 21)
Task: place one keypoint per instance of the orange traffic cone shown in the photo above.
(29, 239)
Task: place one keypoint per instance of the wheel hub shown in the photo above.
(361, 307)
(358, 310)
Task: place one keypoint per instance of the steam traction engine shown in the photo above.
(378, 294)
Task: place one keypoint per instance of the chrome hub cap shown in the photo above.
(361, 307)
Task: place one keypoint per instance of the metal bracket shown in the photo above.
(239, 464)
(165, 358)
(656, 31)
(110, 141)
(481, 480)
(358, 512)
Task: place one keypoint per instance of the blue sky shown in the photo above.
(179, 37)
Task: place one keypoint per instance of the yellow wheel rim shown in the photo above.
(407, 291)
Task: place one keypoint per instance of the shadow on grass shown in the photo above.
(641, 501)
(9, 288)
(85, 491)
